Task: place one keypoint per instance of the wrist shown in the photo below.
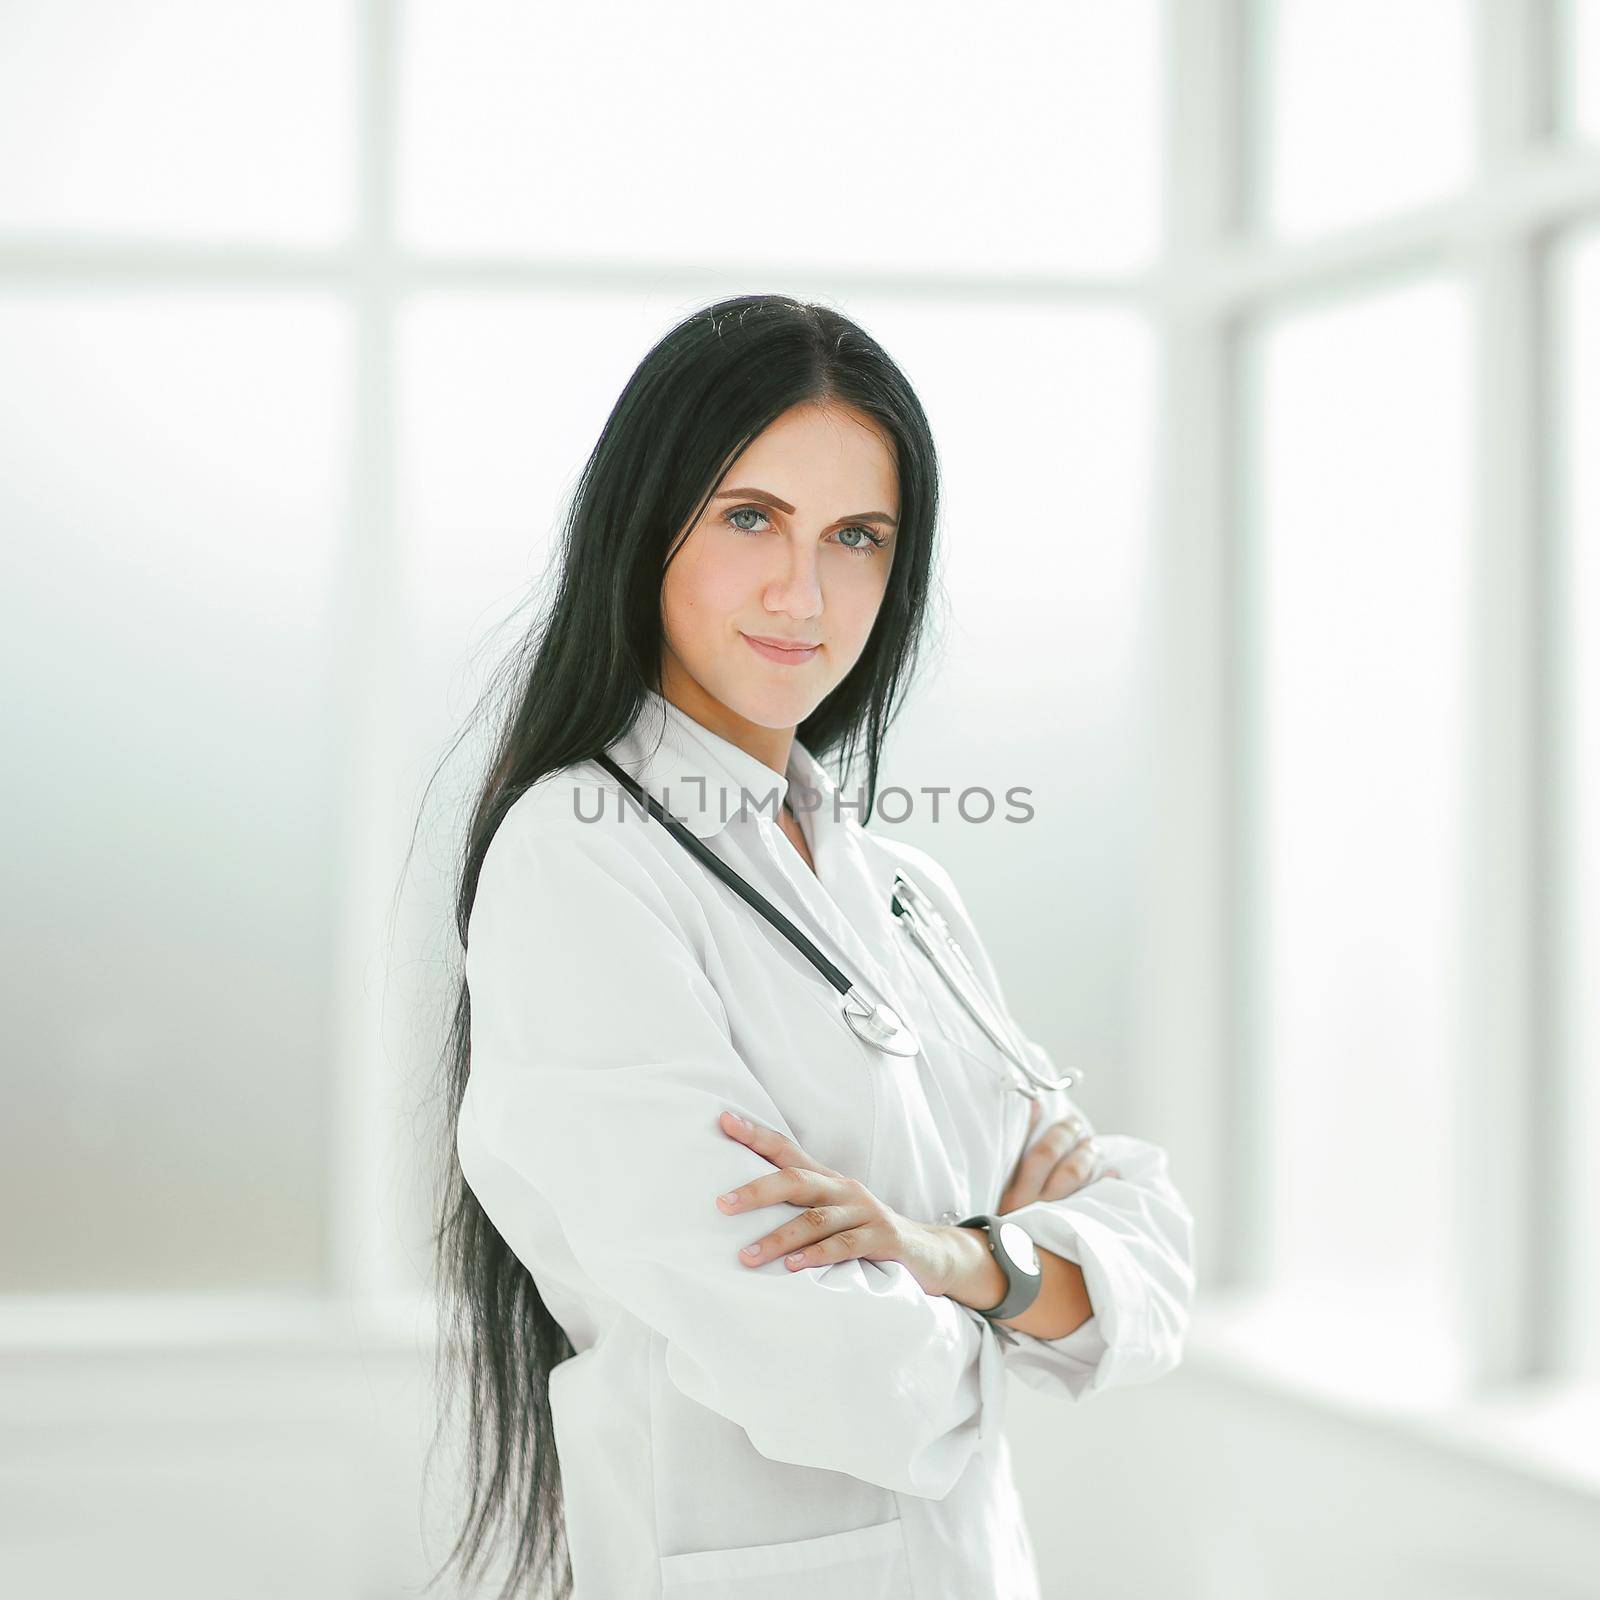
(973, 1277)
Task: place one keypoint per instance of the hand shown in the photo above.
(1062, 1160)
(843, 1221)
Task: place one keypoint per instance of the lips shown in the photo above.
(784, 655)
(780, 644)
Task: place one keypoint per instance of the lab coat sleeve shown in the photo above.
(1132, 1236)
(602, 1057)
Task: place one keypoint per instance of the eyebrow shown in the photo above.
(788, 510)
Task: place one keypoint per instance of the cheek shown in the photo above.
(703, 588)
(856, 599)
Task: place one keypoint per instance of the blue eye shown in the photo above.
(871, 542)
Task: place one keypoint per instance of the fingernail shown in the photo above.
(737, 1120)
(751, 1250)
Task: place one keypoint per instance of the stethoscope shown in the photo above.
(872, 1021)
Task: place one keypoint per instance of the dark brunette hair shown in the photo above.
(573, 685)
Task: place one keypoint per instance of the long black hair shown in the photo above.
(573, 685)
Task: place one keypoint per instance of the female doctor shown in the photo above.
(724, 1270)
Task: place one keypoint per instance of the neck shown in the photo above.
(770, 746)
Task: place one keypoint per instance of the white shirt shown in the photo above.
(726, 1430)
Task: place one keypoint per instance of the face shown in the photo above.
(795, 544)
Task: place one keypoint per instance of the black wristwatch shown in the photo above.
(1011, 1246)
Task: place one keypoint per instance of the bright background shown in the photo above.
(1261, 339)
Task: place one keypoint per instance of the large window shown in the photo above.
(1265, 386)
(309, 315)
(1404, 302)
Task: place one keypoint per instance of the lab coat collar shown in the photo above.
(704, 780)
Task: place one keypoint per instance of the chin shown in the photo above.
(772, 710)
(772, 705)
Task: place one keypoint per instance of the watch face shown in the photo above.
(1018, 1244)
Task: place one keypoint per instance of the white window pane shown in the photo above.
(1360, 423)
(171, 471)
(1580, 735)
(178, 118)
(902, 134)
(1580, 66)
(502, 402)
(1366, 108)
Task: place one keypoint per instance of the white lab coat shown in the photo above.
(726, 1430)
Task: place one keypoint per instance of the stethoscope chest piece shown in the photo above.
(874, 1023)
(879, 1025)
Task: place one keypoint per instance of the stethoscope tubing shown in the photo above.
(757, 901)
(910, 904)
(918, 914)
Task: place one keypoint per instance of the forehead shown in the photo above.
(813, 454)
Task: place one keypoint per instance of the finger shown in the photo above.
(797, 1235)
(1013, 1195)
(1048, 1149)
(777, 1147)
(1063, 1133)
(1073, 1171)
(798, 1185)
(1072, 1127)
(846, 1244)
(1055, 1167)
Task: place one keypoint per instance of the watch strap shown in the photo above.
(1022, 1287)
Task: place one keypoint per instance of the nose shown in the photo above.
(796, 588)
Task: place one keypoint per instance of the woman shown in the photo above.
(674, 1415)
